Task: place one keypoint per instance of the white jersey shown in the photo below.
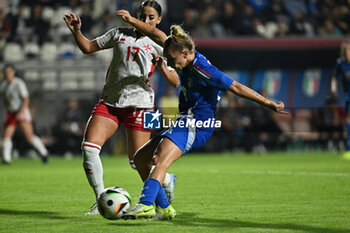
(13, 93)
(130, 69)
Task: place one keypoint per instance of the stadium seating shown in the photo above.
(13, 52)
(31, 49)
(48, 52)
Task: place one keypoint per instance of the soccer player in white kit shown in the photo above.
(16, 98)
(126, 94)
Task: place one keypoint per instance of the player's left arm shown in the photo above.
(246, 92)
(154, 33)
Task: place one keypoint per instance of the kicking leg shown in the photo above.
(144, 163)
(166, 154)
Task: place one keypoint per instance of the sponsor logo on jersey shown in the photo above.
(311, 82)
(272, 82)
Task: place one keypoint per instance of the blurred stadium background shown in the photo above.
(285, 49)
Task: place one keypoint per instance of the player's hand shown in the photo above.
(279, 108)
(158, 61)
(73, 22)
(125, 15)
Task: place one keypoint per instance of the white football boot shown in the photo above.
(169, 188)
(93, 210)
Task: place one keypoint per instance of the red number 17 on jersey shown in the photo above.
(137, 50)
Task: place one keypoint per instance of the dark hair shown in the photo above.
(151, 3)
(9, 65)
(179, 39)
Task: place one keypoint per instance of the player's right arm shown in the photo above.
(74, 24)
(154, 33)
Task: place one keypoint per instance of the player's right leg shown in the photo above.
(7, 143)
(98, 130)
(166, 153)
(144, 164)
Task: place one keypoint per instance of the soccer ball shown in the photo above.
(113, 202)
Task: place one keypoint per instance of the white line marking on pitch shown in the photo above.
(301, 173)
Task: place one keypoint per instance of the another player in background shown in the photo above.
(201, 87)
(15, 94)
(126, 95)
(342, 74)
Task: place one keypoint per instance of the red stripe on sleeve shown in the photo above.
(202, 70)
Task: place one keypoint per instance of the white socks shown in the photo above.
(6, 150)
(167, 180)
(93, 166)
(36, 143)
(39, 146)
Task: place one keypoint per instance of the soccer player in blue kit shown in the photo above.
(201, 87)
(342, 74)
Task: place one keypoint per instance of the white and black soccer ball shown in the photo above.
(113, 202)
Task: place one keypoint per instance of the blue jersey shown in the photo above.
(342, 73)
(201, 85)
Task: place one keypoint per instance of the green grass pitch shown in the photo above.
(278, 192)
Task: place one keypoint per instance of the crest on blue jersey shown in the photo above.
(151, 120)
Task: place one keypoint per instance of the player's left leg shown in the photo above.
(143, 157)
(34, 140)
(135, 139)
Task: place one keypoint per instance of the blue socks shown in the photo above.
(161, 199)
(153, 192)
(149, 192)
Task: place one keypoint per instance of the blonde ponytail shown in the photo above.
(179, 39)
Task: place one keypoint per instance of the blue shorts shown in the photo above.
(189, 135)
